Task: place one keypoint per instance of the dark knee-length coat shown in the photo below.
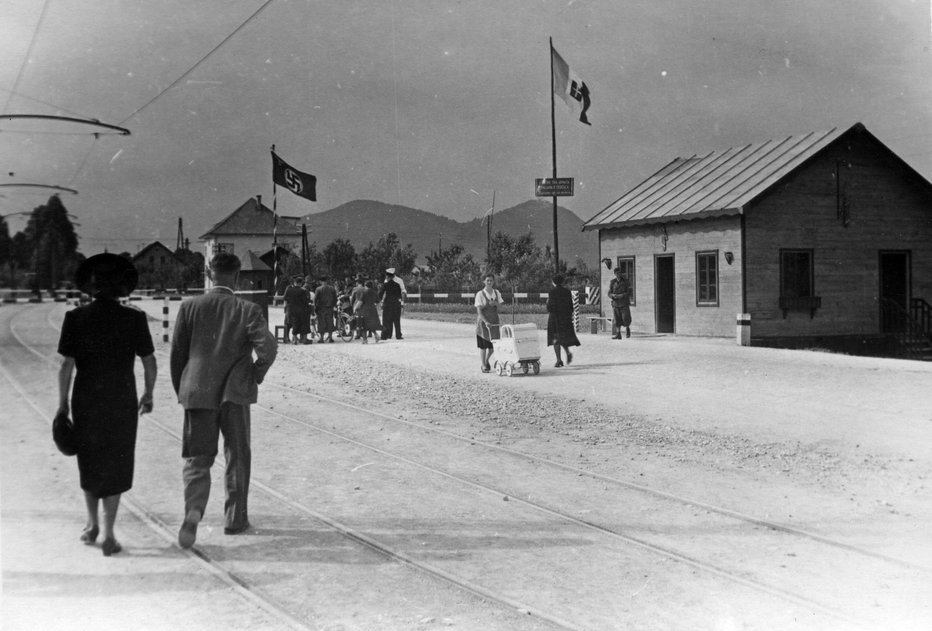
(560, 329)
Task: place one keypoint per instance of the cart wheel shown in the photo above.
(536, 368)
(509, 369)
(498, 368)
(524, 367)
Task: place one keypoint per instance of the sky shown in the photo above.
(428, 104)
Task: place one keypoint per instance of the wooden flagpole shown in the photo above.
(553, 136)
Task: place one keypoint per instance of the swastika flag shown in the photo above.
(568, 86)
(301, 184)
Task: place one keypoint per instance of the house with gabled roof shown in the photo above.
(823, 239)
(158, 267)
(251, 230)
(254, 227)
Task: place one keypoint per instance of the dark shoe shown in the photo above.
(558, 365)
(616, 337)
(569, 357)
(399, 338)
(187, 535)
(329, 340)
(627, 332)
(111, 546)
(237, 530)
(89, 535)
(486, 369)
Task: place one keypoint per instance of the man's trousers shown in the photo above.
(202, 429)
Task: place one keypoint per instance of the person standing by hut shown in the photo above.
(619, 290)
(101, 341)
(487, 301)
(560, 330)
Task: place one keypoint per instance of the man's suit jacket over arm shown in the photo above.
(212, 346)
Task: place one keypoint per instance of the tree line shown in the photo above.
(516, 262)
(45, 255)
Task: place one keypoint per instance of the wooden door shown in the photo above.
(665, 294)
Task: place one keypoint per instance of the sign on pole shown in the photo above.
(553, 187)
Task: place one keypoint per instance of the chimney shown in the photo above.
(259, 203)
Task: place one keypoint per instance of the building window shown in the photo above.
(797, 287)
(223, 247)
(626, 265)
(707, 279)
(161, 260)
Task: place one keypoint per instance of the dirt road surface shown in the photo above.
(655, 483)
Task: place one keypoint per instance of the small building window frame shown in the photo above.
(628, 266)
(707, 285)
(219, 248)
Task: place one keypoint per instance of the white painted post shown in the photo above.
(743, 333)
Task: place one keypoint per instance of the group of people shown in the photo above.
(221, 351)
(357, 298)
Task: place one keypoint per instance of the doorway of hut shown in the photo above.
(894, 290)
(664, 294)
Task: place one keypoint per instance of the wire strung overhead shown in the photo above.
(107, 128)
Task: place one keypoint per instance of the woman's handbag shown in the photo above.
(63, 434)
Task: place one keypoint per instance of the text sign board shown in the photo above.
(553, 187)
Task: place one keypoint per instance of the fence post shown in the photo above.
(575, 309)
(165, 319)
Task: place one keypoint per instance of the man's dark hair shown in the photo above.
(225, 263)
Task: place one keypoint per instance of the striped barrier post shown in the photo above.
(165, 319)
(592, 295)
(575, 309)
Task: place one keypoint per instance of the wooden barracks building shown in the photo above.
(824, 239)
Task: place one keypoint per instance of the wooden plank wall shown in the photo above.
(889, 210)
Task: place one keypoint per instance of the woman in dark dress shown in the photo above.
(560, 329)
(364, 299)
(101, 342)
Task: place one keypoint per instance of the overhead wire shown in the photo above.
(199, 62)
(22, 67)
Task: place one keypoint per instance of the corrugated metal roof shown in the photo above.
(718, 183)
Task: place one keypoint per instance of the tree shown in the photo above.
(192, 272)
(54, 243)
(451, 270)
(340, 258)
(375, 259)
(6, 247)
(519, 261)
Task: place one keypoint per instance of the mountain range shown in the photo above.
(365, 221)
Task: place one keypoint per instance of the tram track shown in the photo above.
(241, 585)
(737, 577)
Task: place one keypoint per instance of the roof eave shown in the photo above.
(706, 214)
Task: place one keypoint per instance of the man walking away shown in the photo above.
(619, 290)
(390, 296)
(325, 301)
(216, 380)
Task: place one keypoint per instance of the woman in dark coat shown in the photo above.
(560, 329)
(101, 341)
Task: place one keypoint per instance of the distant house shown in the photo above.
(824, 239)
(158, 266)
(253, 228)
